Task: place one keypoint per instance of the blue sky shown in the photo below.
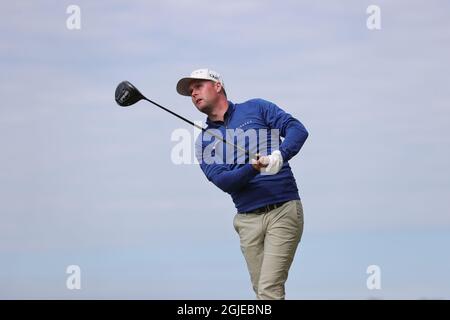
(85, 182)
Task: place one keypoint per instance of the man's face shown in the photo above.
(204, 94)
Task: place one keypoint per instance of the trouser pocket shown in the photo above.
(236, 217)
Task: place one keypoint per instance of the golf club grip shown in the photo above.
(247, 153)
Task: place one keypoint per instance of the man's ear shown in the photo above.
(218, 86)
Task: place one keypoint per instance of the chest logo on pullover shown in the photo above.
(245, 123)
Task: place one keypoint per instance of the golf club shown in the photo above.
(127, 95)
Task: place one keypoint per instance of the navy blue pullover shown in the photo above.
(248, 188)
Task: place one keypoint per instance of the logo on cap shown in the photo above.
(215, 76)
(206, 74)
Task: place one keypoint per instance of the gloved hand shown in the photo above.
(275, 162)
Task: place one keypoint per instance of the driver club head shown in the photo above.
(127, 94)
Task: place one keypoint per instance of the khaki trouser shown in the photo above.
(269, 242)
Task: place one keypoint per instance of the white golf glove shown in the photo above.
(275, 163)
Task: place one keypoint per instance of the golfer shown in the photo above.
(269, 218)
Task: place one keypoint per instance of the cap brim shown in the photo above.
(183, 86)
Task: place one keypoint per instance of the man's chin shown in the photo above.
(202, 108)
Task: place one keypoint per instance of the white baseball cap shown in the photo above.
(204, 74)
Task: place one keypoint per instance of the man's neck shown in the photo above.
(219, 111)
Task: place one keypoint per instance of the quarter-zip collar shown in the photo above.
(226, 117)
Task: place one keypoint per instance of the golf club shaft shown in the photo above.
(251, 155)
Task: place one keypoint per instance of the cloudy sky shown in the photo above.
(85, 182)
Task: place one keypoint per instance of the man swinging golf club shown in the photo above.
(269, 218)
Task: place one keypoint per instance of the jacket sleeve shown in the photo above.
(226, 179)
(293, 131)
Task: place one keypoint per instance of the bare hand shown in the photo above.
(260, 162)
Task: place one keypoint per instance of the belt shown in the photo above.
(266, 208)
